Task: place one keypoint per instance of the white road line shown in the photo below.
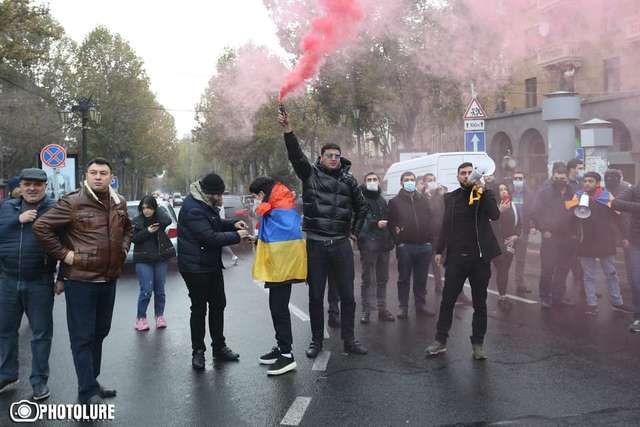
(326, 334)
(299, 313)
(294, 415)
(513, 297)
(321, 361)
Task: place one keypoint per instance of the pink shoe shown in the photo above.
(161, 322)
(142, 325)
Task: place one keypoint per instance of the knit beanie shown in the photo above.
(212, 184)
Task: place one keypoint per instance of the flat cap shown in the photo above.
(33, 174)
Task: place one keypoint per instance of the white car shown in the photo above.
(172, 230)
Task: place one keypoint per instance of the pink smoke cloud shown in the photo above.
(338, 25)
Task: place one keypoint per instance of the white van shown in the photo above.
(443, 165)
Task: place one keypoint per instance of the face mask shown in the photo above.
(559, 185)
(432, 186)
(580, 174)
(372, 186)
(409, 186)
(518, 185)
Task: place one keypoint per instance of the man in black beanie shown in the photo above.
(201, 236)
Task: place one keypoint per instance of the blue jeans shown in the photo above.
(152, 278)
(413, 260)
(35, 298)
(610, 275)
(634, 260)
(89, 313)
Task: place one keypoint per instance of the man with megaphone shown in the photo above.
(597, 226)
(467, 240)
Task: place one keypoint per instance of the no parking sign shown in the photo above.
(54, 156)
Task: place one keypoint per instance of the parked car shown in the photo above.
(177, 199)
(172, 230)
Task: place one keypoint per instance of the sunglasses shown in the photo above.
(332, 156)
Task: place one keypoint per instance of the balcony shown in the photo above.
(560, 54)
(632, 29)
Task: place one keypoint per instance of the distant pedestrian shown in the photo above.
(26, 283)
(281, 260)
(616, 185)
(435, 194)
(523, 198)
(201, 236)
(90, 231)
(151, 252)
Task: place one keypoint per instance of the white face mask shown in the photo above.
(372, 186)
(432, 186)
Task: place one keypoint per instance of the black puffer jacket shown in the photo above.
(152, 247)
(550, 213)
(372, 238)
(333, 205)
(412, 215)
(629, 201)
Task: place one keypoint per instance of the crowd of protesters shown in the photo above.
(478, 231)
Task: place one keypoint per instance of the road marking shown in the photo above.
(513, 297)
(294, 415)
(321, 361)
(300, 314)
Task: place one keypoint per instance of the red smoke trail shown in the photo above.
(327, 33)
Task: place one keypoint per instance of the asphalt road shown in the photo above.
(544, 368)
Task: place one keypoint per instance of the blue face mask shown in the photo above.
(409, 186)
(518, 185)
(581, 173)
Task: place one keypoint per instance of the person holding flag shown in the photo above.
(597, 240)
(281, 260)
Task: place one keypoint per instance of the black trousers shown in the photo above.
(335, 256)
(375, 274)
(457, 271)
(206, 289)
(503, 265)
(279, 296)
(557, 257)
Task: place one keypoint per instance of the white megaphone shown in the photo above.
(582, 211)
(482, 168)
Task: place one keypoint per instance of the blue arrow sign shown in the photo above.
(475, 141)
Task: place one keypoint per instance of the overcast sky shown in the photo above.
(178, 41)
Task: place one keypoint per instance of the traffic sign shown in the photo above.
(53, 155)
(475, 141)
(474, 125)
(475, 111)
(114, 182)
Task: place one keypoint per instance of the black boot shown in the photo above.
(354, 347)
(197, 362)
(385, 315)
(314, 349)
(226, 355)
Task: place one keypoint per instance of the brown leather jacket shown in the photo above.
(98, 236)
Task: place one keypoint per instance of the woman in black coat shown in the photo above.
(506, 229)
(151, 253)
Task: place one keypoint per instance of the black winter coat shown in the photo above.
(152, 247)
(597, 234)
(371, 237)
(509, 224)
(629, 201)
(201, 236)
(332, 203)
(486, 211)
(412, 215)
(21, 255)
(550, 213)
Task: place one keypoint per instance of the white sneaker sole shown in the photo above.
(44, 396)
(284, 370)
(267, 361)
(8, 386)
(435, 353)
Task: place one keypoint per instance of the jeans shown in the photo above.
(89, 313)
(557, 256)
(503, 265)
(35, 298)
(413, 259)
(521, 257)
(279, 296)
(375, 272)
(610, 275)
(634, 261)
(457, 271)
(152, 278)
(335, 256)
(206, 289)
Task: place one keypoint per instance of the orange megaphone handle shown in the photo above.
(475, 195)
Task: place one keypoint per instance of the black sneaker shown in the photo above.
(271, 357)
(314, 349)
(404, 314)
(225, 354)
(354, 347)
(40, 392)
(5, 384)
(622, 308)
(282, 365)
(385, 315)
(107, 393)
(334, 320)
(197, 361)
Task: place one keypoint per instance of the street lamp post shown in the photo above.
(88, 113)
(356, 116)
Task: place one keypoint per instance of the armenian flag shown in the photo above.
(281, 253)
(601, 196)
